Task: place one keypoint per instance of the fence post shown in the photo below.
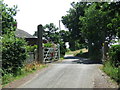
(40, 47)
(58, 51)
(105, 50)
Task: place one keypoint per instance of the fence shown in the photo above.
(49, 54)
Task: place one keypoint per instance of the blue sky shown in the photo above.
(34, 12)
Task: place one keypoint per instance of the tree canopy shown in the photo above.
(93, 23)
(8, 22)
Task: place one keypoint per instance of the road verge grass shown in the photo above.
(28, 69)
(112, 71)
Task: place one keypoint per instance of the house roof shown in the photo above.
(23, 34)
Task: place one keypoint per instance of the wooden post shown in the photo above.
(105, 50)
(40, 47)
(58, 46)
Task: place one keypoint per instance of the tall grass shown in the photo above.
(30, 68)
(112, 71)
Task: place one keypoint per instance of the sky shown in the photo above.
(34, 12)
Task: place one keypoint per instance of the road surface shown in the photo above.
(73, 72)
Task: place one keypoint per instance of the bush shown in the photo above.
(62, 49)
(13, 53)
(48, 45)
(114, 55)
(31, 48)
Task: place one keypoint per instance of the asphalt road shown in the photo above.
(73, 72)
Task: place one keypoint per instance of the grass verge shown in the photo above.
(28, 69)
(112, 71)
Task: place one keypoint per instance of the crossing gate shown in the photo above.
(51, 54)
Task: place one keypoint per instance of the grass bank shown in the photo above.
(77, 52)
(82, 53)
(28, 69)
(112, 71)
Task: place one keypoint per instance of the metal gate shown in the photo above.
(51, 54)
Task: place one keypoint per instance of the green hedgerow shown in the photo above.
(13, 53)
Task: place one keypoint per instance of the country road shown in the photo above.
(73, 72)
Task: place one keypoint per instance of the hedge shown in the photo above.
(114, 55)
(13, 53)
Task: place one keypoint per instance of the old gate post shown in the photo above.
(58, 46)
(40, 57)
(105, 50)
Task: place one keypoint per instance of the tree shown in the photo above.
(8, 22)
(93, 23)
(51, 33)
(100, 24)
(72, 22)
(13, 49)
(93, 30)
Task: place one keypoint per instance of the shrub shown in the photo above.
(48, 45)
(31, 48)
(62, 49)
(13, 53)
(114, 55)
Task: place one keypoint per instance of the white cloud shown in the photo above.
(34, 12)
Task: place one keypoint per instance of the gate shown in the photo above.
(51, 54)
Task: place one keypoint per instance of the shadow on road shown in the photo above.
(79, 60)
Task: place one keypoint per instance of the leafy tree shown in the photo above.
(98, 26)
(93, 30)
(64, 35)
(8, 22)
(13, 49)
(72, 22)
(93, 23)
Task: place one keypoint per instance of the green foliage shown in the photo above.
(48, 45)
(8, 22)
(13, 53)
(72, 22)
(8, 77)
(52, 34)
(91, 24)
(13, 49)
(62, 49)
(31, 48)
(112, 71)
(114, 55)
